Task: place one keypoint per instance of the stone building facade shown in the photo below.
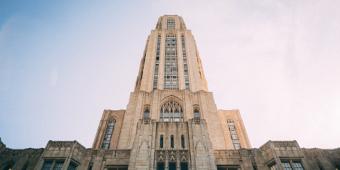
(171, 123)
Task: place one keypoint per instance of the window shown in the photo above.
(182, 141)
(184, 166)
(155, 74)
(53, 165)
(160, 166)
(197, 114)
(170, 68)
(47, 165)
(185, 64)
(233, 134)
(172, 141)
(72, 166)
(292, 164)
(170, 23)
(146, 114)
(273, 166)
(171, 111)
(228, 167)
(118, 167)
(172, 165)
(237, 146)
(58, 165)
(161, 141)
(108, 134)
(286, 165)
(90, 166)
(297, 165)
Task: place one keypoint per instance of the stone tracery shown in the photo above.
(171, 111)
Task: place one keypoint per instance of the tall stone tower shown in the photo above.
(171, 123)
(171, 119)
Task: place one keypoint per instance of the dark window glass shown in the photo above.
(161, 141)
(118, 167)
(58, 165)
(72, 166)
(182, 141)
(228, 167)
(172, 165)
(47, 165)
(221, 168)
(160, 166)
(184, 166)
(90, 166)
(172, 142)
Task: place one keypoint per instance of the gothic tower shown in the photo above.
(171, 121)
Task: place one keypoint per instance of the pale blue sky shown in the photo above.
(63, 62)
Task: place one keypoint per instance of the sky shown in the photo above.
(63, 62)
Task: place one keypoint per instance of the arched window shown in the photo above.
(182, 141)
(146, 114)
(171, 111)
(172, 141)
(108, 134)
(197, 114)
(161, 141)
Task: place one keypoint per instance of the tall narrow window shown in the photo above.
(182, 141)
(233, 133)
(185, 64)
(108, 134)
(172, 141)
(171, 111)
(197, 114)
(90, 166)
(155, 74)
(170, 23)
(146, 114)
(170, 69)
(161, 141)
